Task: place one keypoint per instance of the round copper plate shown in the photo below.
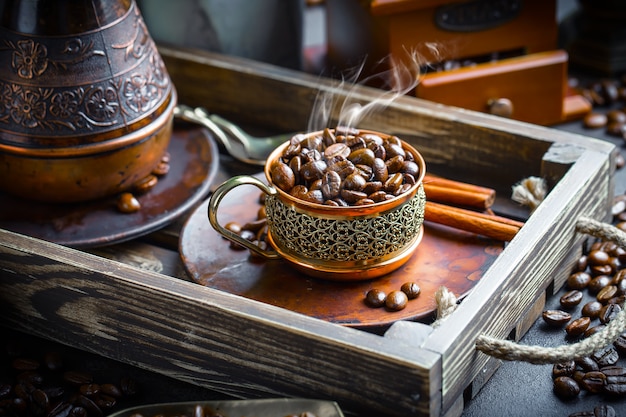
(193, 165)
(445, 256)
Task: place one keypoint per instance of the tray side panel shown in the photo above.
(205, 337)
(458, 140)
(520, 275)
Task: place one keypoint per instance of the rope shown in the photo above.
(511, 351)
(446, 304)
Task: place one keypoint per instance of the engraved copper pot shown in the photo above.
(86, 104)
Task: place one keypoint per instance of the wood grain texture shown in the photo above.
(206, 337)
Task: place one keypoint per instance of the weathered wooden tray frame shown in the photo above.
(248, 349)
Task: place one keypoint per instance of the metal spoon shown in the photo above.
(245, 147)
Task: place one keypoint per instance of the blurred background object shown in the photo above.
(264, 30)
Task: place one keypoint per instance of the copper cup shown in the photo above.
(337, 243)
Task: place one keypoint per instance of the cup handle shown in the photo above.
(214, 203)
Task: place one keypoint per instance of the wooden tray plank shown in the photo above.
(196, 334)
(496, 302)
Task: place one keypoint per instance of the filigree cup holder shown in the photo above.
(330, 242)
(86, 104)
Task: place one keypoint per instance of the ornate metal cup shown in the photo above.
(331, 242)
(86, 104)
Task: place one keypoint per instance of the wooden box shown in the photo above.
(108, 302)
(484, 52)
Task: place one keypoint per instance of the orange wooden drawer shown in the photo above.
(535, 84)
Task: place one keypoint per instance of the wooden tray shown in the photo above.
(246, 348)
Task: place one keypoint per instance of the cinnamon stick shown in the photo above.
(495, 227)
(458, 193)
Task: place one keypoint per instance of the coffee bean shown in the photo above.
(593, 381)
(556, 317)
(375, 298)
(411, 289)
(563, 369)
(606, 293)
(615, 381)
(161, 169)
(595, 120)
(127, 203)
(599, 282)
(587, 364)
(565, 387)
(25, 364)
(593, 330)
(77, 377)
(578, 326)
(607, 356)
(396, 300)
(62, 409)
(145, 184)
(571, 298)
(608, 312)
(592, 309)
(604, 411)
(578, 280)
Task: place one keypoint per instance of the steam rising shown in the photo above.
(401, 77)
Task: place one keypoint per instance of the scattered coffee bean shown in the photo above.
(396, 300)
(578, 280)
(563, 369)
(375, 298)
(592, 309)
(146, 184)
(556, 317)
(566, 387)
(571, 298)
(411, 289)
(607, 356)
(615, 381)
(578, 326)
(595, 120)
(127, 203)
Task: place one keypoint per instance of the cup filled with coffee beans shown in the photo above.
(340, 204)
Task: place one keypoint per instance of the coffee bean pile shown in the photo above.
(599, 275)
(350, 168)
(396, 300)
(42, 385)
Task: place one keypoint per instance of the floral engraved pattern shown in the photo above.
(101, 104)
(88, 108)
(346, 240)
(28, 109)
(139, 93)
(29, 58)
(44, 91)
